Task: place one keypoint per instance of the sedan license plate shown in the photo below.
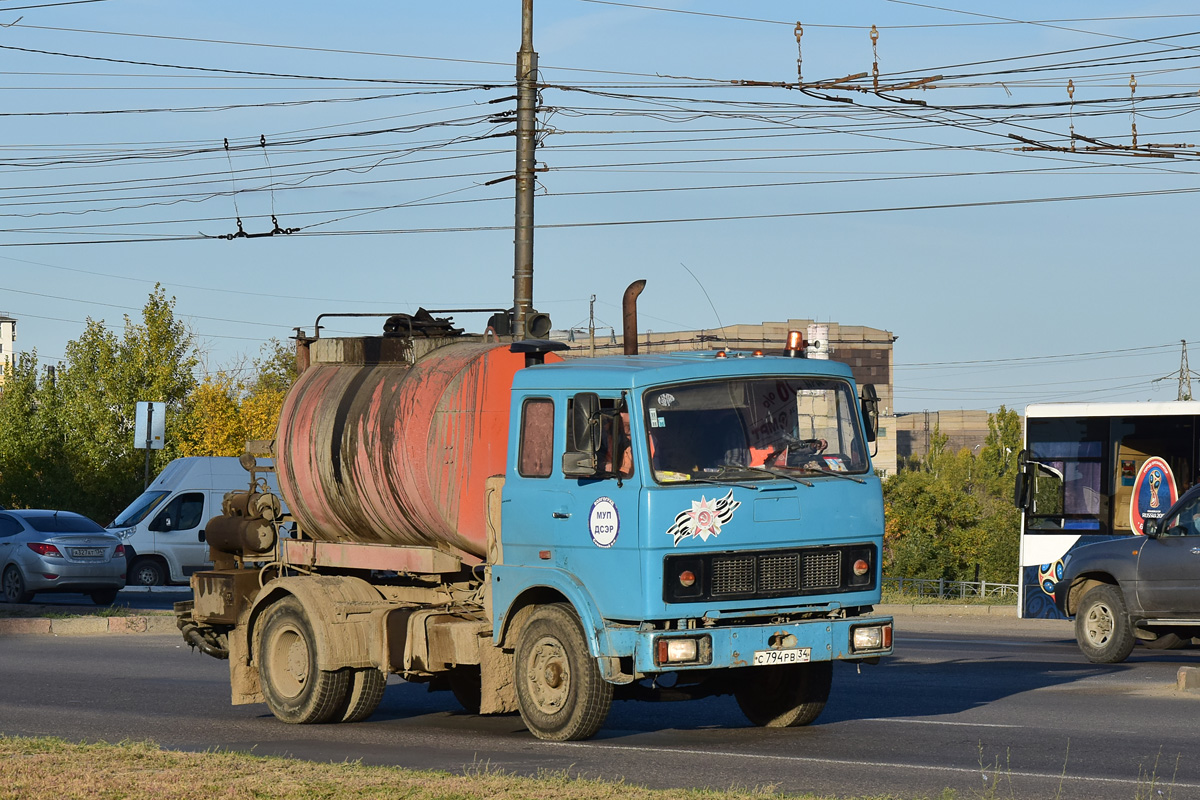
(796, 655)
(88, 552)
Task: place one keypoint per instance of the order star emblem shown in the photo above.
(704, 518)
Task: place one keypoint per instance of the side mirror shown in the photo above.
(1152, 528)
(581, 462)
(579, 465)
(585, 422)
(870, 411)
(161, 524)
(1021, 491)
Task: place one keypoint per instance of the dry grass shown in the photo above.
(54, 769)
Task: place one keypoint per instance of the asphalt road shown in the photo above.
(964, 703)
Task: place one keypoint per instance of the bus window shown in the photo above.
(1137, 439)
(1066, 486)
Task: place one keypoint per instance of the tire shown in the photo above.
(285, 650)
(1102, 626)
(560, 693)
(785, 695)
(363, 695)
(146, 572)
(1168, 641)
(104, 597)
(467, 686)
(12, 586)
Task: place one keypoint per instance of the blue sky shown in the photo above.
(381, 135)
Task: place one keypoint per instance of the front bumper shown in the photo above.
(735, 646)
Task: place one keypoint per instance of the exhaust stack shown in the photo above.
(629, 317)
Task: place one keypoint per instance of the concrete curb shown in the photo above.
(85, 626)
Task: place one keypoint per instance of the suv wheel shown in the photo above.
(1102, 626)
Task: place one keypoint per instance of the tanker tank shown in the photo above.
(374, 449)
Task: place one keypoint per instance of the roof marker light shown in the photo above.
(795, 344)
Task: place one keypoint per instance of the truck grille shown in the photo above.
(823, 570)
(773, 573)
(733, 576)
(778, 573)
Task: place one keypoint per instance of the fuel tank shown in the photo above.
(372, 449)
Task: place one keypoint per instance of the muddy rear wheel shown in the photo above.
(363, 694)
(295, 689)
(467, 686)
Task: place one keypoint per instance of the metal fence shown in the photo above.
(952, 590)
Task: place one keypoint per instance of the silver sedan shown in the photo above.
(58, 551)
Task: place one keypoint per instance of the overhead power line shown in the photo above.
(791, 23)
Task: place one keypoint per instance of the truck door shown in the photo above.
(597, 528)
(587, 527)
(179, 532)
(1169, 565)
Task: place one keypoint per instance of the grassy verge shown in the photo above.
(53, 769)
(71, 612)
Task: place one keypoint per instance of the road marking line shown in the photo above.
(943, 722)
(848, 763)
(998, 642)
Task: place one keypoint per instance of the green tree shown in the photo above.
(952, 516)
(99, 385)
(33, 472)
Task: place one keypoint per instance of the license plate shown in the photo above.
(88, 552)
(796, 655)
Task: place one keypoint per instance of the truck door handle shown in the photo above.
(200, 536)
(561, 515)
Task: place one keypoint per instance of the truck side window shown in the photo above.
(536, 457)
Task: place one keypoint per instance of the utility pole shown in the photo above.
(1185, 375)
(526, 143)
(592, 327)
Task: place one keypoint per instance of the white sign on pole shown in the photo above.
(149, 426)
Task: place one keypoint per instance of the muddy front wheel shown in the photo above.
(560, 692)
(296, 690)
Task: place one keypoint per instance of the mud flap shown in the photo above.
(497, 671)
(243, 676)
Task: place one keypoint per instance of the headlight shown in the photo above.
(683, 650)
(865, 638)
(124, 534)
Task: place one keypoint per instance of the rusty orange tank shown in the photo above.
(397, 454)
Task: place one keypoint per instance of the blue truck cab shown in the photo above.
(713, 515)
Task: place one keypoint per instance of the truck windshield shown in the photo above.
(139, 509)
(737, 429)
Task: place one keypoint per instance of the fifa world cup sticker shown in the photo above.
(1152, 493)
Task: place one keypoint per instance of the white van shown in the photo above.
(163, 529)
